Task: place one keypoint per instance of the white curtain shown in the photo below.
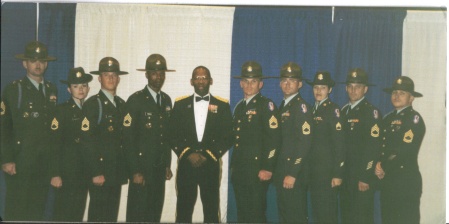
(187, 36)
(424, 59)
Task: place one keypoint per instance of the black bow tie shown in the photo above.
(199, 98)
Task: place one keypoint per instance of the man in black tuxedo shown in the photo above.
(201, 133)
(146, 144)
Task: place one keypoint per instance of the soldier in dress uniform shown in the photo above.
(27, 108)
(362, 125)
(68, 165)
(146, 144)
(102, 135)
(257, 139)
(326, 159)
(201, 133)
(296, 121)
(404, 130)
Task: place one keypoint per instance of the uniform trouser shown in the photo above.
(104, 203)
(400, 199)
(145, 202)
(188, 178)
(26, 195)
(324, 202)
(292, 204)
(251, 201)
(357, 207)
(70, 201)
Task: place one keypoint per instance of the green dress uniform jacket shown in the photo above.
(362, 127)
(148, 153)
(25, 117)
(69, 163)
(401, 187)
(297, 131)
(257, 141)
(102, 136)
(326, 161)
(216, 141)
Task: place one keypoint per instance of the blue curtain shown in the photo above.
(356, 37)
(18, 28)
(371, 39)
(57, 30)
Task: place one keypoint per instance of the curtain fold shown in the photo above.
(369, 38)
(57, 30)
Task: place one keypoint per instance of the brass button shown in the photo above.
(237, 137)
(140, 154)
(18, 142)
(236, 145)
(101, 159)
(256, 158)
(288, 159)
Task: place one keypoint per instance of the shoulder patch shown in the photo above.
(181, 97)
(337, 112)
(3, 108)
(415, 118)
(222, 99)
(304, 108)
(375, 114)
(271, 106)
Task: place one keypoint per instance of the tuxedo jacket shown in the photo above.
(217, 138)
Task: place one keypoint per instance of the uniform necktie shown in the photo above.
(117, 101)
(41, 89)
(349, 109)
(282, 105)
(158, 99)
(199, 98)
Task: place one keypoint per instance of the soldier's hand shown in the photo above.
(9, 168)
(265, 175)
(168, 173)
(138, 179)
(56, 182)
(289, 182)
(379, 171)
(195, 159)
(98, 180)
(363, 186)
(336, 182)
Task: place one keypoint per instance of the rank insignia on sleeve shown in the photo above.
(54, 124)
(85, 125)
(298, 161)
(306, 128)
(304, 108)
(408, 136)
(273, 122)
(337, 112)
(3, 108)
(338, 126)
(370, 165)
(416, 119)
(375, 131)
(376, 114)
(271, 153)
(270, 106)
(127, 121)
